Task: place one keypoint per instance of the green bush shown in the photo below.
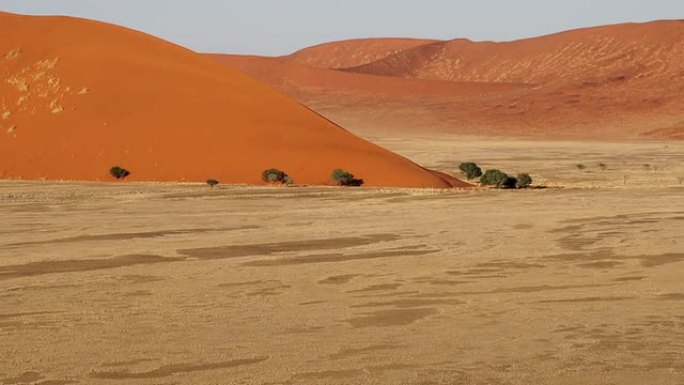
(341, 177)
(212, 182)
(523, 181)
(471, 170)
(273, 175)
(344, 178)
(119, 173)
(494, 178)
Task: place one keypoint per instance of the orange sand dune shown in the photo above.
(619, 52)
(615, 82)
(353, 53)
(78, 97)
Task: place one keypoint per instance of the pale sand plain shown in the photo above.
(182, 284)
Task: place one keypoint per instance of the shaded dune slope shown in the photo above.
(79, 96)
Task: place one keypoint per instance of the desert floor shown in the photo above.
(181, 284)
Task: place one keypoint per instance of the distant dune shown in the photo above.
(292, 76)
(78, 97)
(353, 53)
(619, 52)
(615, 82)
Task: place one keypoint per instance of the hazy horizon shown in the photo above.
(273, 27)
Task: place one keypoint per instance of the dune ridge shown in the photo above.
(613, 82)
(626, 51)
(353, 53)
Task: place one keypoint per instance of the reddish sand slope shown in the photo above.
(352, 53)
(293, 77)
(78, 97)
(619, 52)
(614, 82)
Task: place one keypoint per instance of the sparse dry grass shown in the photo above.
(162, 283)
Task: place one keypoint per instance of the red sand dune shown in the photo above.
(630, 51)
(78, 97)
(353, 53)
(614, 82)
(291, 76)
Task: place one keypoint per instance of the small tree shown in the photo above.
(273, 175)
(344, 178)
(341, 177)
(495, 178)
(119, 173)
(471, 170)
(212, 182)
(524, 181)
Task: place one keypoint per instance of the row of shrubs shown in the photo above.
(494, 177)
(271, 175)
(339, 176)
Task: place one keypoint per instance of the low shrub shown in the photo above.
(500, 179)
(494, 178)
(273, 175)
(470, 170)
(119, 172)
(212, 182)
(344, 178)
(523, 181)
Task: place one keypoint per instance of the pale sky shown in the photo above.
(275, 27)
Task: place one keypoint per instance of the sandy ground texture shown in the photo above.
(183, 284)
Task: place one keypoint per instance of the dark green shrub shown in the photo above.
(344, 178)
(119, 173)
(341, 177)
(470, 170)
(524, 181)
(212, 182)
(273, 175)
(495, 178)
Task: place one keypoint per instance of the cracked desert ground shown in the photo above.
(579, 283)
